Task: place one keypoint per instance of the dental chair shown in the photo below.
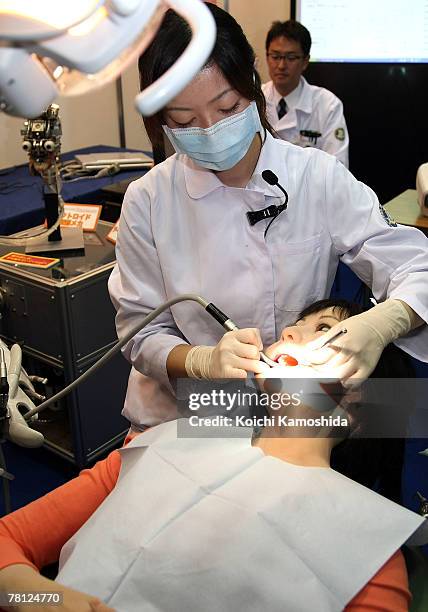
(417, 569)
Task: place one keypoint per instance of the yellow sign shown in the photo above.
(33, 261)
(81, 215)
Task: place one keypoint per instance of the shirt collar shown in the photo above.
(276, 96)
(293, 98)
(306, 96)
(269, 159)
(200, 181)
(300, 98)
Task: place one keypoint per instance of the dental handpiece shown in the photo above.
(268, 360)
(228, 324)
(263, 357)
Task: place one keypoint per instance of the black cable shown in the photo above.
(5, 477)
(271, 178)
(215, 312)
(116, 347)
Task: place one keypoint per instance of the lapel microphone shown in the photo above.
(273, 210)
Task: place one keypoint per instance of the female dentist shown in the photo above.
(184, 229)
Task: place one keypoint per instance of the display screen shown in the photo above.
(366, 30)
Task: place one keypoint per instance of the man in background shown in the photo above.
(303, 114)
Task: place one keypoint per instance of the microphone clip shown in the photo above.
(271, 211)
(266, 213)
(258, 215)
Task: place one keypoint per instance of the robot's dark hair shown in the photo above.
(344, 308)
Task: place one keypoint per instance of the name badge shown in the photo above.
(308, 138)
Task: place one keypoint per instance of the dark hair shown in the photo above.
(344, 308)
(232, 54)
(293, 30)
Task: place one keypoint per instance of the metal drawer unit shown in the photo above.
(64, 320)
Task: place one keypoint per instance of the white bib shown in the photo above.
(213, 524)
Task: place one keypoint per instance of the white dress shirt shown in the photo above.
(310, 108)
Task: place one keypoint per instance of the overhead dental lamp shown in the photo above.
(50, 48)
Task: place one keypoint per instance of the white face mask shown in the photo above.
(221, 146)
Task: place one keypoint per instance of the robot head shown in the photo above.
(42, 139)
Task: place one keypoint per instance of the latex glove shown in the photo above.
(237, 353)
(354, 355)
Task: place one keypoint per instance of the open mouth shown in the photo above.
(286, 360)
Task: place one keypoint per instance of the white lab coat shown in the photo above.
(315, 109)
(183, 231)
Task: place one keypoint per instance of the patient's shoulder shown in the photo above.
(388, 590)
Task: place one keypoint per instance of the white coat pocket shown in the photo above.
(296, 269)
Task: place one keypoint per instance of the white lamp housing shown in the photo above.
(44, 55)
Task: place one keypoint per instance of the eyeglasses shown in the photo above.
(287, 57)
